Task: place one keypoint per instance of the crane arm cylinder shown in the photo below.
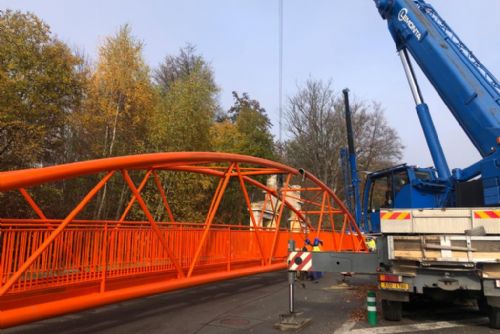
(425, 119)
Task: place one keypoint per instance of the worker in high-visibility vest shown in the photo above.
(316, 244)
(371, 244)
(307, 245)
(316, 275)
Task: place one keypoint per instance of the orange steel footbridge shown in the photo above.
(55, 265)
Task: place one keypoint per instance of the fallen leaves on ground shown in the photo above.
(360, 293)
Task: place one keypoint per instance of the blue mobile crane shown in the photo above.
(440, 209)
(470, 92)
(438, 231)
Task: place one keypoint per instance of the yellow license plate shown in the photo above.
(395, 286)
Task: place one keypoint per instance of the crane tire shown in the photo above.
(494, 316)
(392, 310)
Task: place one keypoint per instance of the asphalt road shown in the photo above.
(253, 305)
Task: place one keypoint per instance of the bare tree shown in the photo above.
(182, 65)
(316, 123)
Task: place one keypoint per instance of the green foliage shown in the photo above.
(226, 137)
(188, 104)
(40, 85)
(188, 194)
(181, 66)
(246, 129)
(184, 116)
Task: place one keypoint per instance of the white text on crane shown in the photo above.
(403, 16)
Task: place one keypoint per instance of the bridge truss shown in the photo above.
(55, 265)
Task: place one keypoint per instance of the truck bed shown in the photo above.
(439, 235)
(444, 248)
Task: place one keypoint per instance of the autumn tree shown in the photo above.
(40, 85)
(117, 111)
(182, 120)
(252, 122)
(246, 129)
(182, 65)
(188, 103)
(316, 124)
(120, 99)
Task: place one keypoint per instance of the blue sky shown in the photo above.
(345, 41)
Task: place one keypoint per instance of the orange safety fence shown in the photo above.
(51, 266)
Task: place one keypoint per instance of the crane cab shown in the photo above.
(401, 186)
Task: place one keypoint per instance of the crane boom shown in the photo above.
(469, 90)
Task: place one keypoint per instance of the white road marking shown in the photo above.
(345, 328)
(425, 326)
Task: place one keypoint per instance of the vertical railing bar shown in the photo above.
(22, 249)
(4, 237)
(54, 259)
(332, 221)
(352, 236)
(342, 233)
(104, 262)
(17, 252)
(322, 212)
(229, 249)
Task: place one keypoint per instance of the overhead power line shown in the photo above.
(280, 71)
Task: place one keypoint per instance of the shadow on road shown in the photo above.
(108, 317)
